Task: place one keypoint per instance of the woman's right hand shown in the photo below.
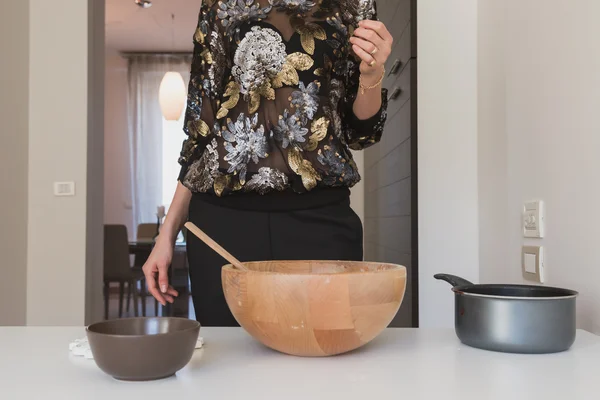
(156, 271)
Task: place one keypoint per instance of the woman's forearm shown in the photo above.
(372, 43)
(368, 103)
(178, 213)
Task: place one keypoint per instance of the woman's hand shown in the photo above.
(372, 43)
(156, 271)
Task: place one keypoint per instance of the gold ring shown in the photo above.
(375, 50)
(372, 63)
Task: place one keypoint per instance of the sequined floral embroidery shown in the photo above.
(319, 129)
(336, 93)
(233, 13)
(259, 57)
(219, 63)
(337, 23)
(293, 6)
(309, 32)
(201, 174)
(340, 170)
(357, 10)
(363, 142)
(306, 99)
(365, 9)
(303, 168)
(290, 130)
(245, 142)
(194, 127)
(233, 92)
(325, 8)
(262, 65)
(266, 180)
(270, 97)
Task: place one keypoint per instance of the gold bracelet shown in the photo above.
(363, 88)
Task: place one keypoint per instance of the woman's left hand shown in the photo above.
(372, 42)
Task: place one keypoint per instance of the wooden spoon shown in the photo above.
(215, 246)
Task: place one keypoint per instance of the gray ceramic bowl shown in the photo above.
(140, 349)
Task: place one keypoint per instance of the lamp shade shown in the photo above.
(172, 96)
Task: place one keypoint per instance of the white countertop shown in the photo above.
(407, 364)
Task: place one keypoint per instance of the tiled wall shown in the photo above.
(390, 176)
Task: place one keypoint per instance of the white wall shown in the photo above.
(534, 104)
(14, 77)
(64, 234)
(492, 141)
(117, 180)
(552, 143)
(447, 152)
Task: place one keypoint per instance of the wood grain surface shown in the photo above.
(314, 308)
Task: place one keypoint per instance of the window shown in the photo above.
(173, 137)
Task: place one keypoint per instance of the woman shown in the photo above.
(280, 91)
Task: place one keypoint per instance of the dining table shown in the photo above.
(145, 246)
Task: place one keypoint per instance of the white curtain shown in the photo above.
(146, 129)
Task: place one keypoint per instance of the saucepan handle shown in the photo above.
(453, 279)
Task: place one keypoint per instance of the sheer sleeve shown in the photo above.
(206, 81)
(362, 133)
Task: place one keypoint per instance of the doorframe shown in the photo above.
(414, 153)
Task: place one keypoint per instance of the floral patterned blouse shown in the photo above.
(270, 97)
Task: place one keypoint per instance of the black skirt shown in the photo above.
(331, 232)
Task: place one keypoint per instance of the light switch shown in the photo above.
(533, 219)
(64, 189)
(530, 263)
(533, 263)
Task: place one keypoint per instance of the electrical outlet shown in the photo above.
(62, 189)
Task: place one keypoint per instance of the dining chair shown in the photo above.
(145, 232)
(178, 269)
(117, 268)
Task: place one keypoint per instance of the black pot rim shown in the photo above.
(553, 292)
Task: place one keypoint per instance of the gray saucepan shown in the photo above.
(513, 318)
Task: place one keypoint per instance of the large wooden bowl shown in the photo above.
(314, 308)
